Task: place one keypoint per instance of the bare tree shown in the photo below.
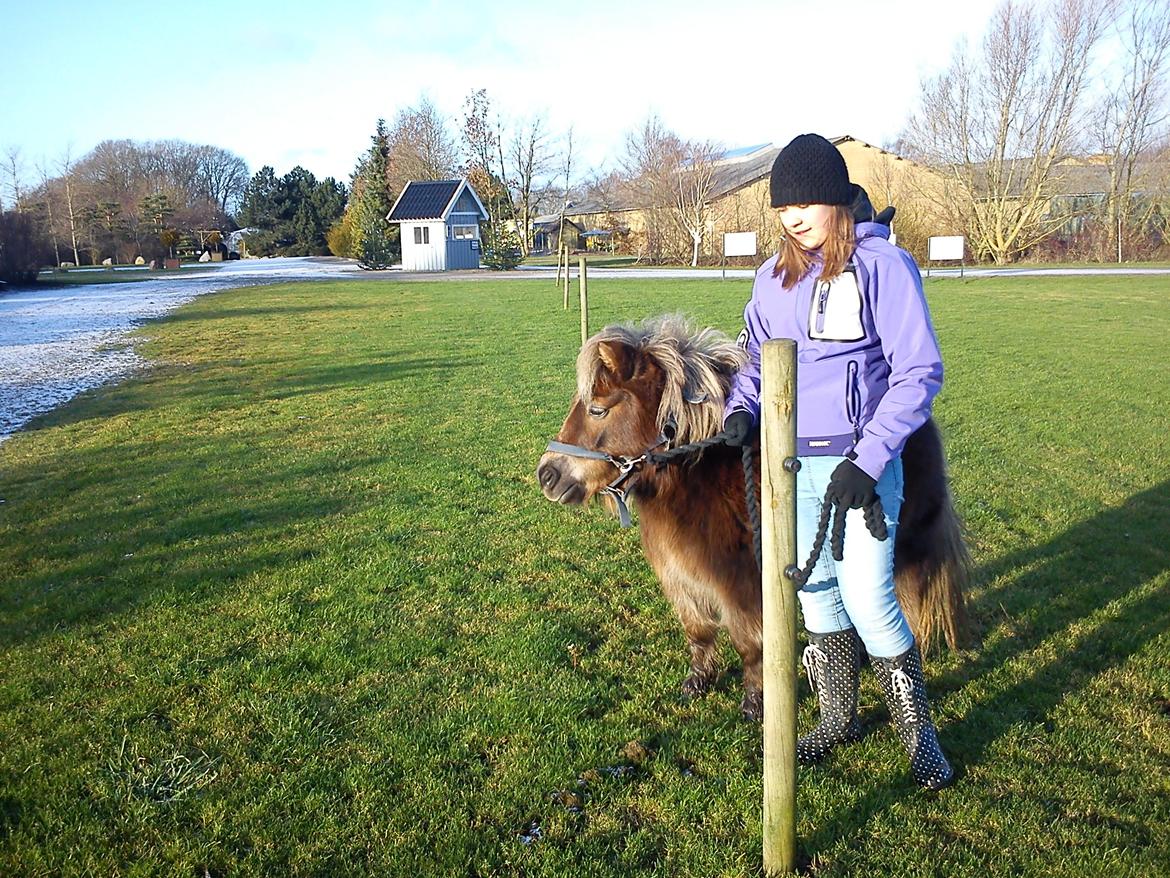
(996, 125)
(420, 147)
(481, 144)
(1132, 115)
(567, 176)
(650, 159)
(531, 157)
(13, 177)
(672, 181)
(221, 177)
(68, 177)
(694, 179)
(49, 198)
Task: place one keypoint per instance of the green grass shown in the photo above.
(291, 603)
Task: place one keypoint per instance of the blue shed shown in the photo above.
(440, 225)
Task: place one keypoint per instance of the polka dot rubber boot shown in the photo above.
(832, 662)
(905, 690)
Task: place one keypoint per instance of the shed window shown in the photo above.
(422, 234)
(463, 233)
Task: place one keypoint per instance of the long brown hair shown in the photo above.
(794, 261)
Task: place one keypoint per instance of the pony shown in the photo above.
(661, 382)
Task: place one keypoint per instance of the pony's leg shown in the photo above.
(744, 626)
(704, 659)
(701, 625)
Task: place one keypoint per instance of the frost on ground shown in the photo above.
(56, 343)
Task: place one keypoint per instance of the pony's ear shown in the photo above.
(618, 359)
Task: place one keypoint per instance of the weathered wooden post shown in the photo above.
(560, 256)
(566, 278)
(778, 532)
(583, 283)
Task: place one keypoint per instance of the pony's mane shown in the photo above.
(698, 365)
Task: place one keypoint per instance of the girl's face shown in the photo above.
(807, 224)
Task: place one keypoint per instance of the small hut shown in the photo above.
(440, 221)
(546, 233)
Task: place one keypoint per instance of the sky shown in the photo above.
(298, 83)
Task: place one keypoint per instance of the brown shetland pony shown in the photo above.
(634, 382)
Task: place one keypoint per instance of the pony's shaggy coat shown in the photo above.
(636, 381)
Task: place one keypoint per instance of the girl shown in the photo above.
(868, 369)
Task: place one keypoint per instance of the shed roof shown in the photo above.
(430, 200)
(553, 221)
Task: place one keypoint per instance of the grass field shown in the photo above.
(291, 603)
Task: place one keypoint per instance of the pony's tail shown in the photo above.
(932, 568)
(932, 590)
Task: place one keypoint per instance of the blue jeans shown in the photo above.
(857, 592)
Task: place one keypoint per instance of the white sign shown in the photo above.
(945, 247)
(739, 244)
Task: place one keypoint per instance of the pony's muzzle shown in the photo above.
(558, 485)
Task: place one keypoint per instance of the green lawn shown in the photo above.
(291, 603)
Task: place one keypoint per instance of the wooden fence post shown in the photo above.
(583, 283)
(566, 278)
(560, 254)
(778, 514)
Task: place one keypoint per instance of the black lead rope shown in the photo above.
(874, 518)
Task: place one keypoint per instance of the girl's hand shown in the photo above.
(851, 487)
(738, 428)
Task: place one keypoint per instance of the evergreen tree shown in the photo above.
(293, 213)
(374, 240)
(258, 207)
(376, 251)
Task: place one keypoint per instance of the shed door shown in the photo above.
(463, 254)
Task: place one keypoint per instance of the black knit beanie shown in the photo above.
(810, 170)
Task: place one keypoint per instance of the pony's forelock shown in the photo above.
(697, 365)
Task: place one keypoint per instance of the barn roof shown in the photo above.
(430, 200)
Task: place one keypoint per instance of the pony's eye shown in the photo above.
(598, 411)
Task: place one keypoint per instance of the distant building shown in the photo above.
(440, 225)
(739, 200)
(546, 233)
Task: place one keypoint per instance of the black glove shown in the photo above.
(862, 208)
(738, 427)
(851, 487)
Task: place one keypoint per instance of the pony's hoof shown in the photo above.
(697, 685)
(752, 706)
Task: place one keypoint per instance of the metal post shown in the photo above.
(778, 513)
(583, 283)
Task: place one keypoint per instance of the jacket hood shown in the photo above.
(871, 230)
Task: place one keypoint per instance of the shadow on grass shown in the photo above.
(232, 383)
(207, 315)
(156, 524)
(1096, 568)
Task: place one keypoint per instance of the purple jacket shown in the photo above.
(868, 364)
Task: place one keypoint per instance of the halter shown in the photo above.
(626, 466)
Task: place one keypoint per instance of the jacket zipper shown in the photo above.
(822, 303)
(853, 399)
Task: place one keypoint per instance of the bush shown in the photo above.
(501, 248)
(23, 249)
(340, 238)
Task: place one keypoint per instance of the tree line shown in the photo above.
(999, 129)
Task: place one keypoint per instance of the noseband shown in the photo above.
(626, 466)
